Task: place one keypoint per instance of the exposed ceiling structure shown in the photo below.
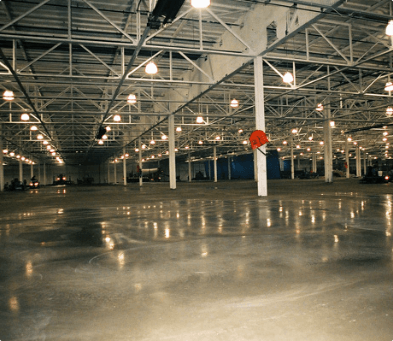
(72, 64)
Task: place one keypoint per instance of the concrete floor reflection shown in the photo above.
(142, 264)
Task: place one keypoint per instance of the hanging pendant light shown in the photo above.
(389, 86)
(389, 28)
(25, 117)
(389, 111)
(288, 78)
(117, 118)
(8, 95)
(200, 3)
(131, 99)
(319, 107)
(151, 68)
(199, 119)
(234, 103)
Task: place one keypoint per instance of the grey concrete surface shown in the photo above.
(312, 261)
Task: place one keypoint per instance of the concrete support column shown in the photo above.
(358, 162)
(124, 167)
(140, 164)
(209, 169)
(328, 156)
(189, 168)
(39, 172)
(314, 162)
(229, 168)
(347, 157)
(365, 164)
(20, 170)
(114, 172)
(172, 156)
(44, 171)
(31, 170)
(292, 162)
(260, 125)
(215, 163)
(1, 163)
(255, 165)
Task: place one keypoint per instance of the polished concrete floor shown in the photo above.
(312, 261)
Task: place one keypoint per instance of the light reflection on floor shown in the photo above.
(199, 269)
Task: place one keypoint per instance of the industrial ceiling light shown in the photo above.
(288, 78)
(164, 137)
(389, 111)
(200, 142)
(200, 3)
(389, 28)
(284, 142)
(45, 142)
(385, 133)
(178, 129)
(12, 154)
(151, 68)
(199, 119)
(104, 137)
(131, 99)
(143, 146)
(294, 131)
(240, 131)
(245, 142)
(40, 136)
(186, 147)
(108, 128)
(310, 138)
(349, 139)
(389, 86)
(234, 103)
(5, 151)
(33, 128)
(117, 118)
(332, 124)
(319, 107)
(218, 138)
(152, 142)
(321, 143)
(8, 95)
(25, 117)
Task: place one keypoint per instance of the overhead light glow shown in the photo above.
(164, 137)
(25, 117)
(40, 136)
(389, 28)
(200, 142)
(8, 95)
(33, 128)
(178, 129)
(389, 86)
(294, 131)
(234, 103)
(100, 142)
(108, 128)
(288, 78)
(117, 118)
(152, 142)
(200, 3)
(319, 107)
(199, 119)
(389, 111)
(151, 68)
(131, 99)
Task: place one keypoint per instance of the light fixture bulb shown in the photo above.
(319, 107)
(288, 78)
(151, 68)
(389, 28)
(200, 3)
(245, 142)
(389, 86)
(40, 136)
(117, 118)
(33, 128)
(199, 119)
(294, 131)
(108, 128)
(389, 111)
(8, 95)
(104, 137)
(218, 138)
(152, 142)
(332, 124)
(164, 137)
(143, 146)
(200, 142)
(240, 131)
(178, 129)
(234, 103)
(25, 117)
(131, 99)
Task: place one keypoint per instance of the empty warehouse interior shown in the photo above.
(196, 170)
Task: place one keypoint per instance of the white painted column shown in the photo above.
(364, 163)
(31, 170)
(209, 169)
(260, 124)
(255, 165)
(229, 168)
(347, 156)
(39, 172)
(189, 168)
(124, 167)
(358, 169)
(140, 164)
(314, 162)
(109, 172)
(1, 163)
(114, 172)
(215, 163)
(172, 156)
(328, 155)
(44, 171)
(20, 170)
(292, 162)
